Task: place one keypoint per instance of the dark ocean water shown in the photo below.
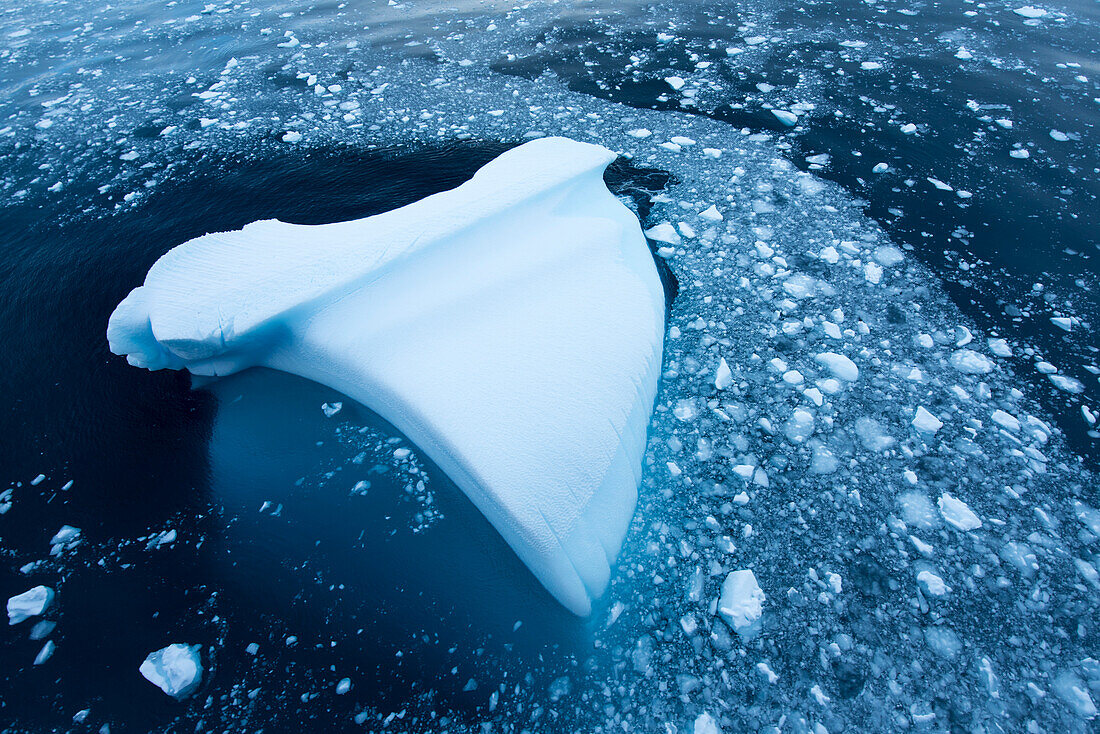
(401, 586)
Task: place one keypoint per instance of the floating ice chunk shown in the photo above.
(917, 510)
(534, 407)
(343, 686)
(1006, 420)
(66, 538)
(880, 168)
(1067, 383)
(705, 724)
(940, 184)
(176, 669)
(943, 641)
(822, 461)
(742, 602)
(1059, 136)
(971, 362)
(675, 82)
(663, 232)
(1021, 556)
(957, 513)
(841, 367)
(1030, 11)
(800, 286)
(1062, 322)
(873, 435)
(331, 409)
(711, 214)
(723, 378)
(872, 272)
(925, 422)
(932, 584)
(789, 119)
(888, 255)
(800, 425)
(1000, 347)
(1075, 694)
(29, 604)
(640, 132)
(1088, 516)
(45, 653)
(292, 136)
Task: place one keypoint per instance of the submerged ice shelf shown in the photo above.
(511, 327)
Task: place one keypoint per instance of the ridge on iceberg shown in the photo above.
(511, 327)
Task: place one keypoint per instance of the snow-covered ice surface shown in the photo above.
(943, 579)
(533, 291)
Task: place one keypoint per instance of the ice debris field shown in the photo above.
(853, 514)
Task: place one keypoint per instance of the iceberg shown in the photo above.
(511, 327)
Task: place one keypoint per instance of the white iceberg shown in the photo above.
(511, 327)
(176, 669)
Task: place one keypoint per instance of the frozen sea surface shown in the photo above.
(919, 516)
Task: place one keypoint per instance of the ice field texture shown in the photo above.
(511, 327)
(868, 498)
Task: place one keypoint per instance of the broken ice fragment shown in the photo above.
(932, 584)
(64, 539)
(45, 653)
(971, 362)
(723, 378)
(176, 669)
(705, 724)
(839, 365)
(532, 288)
(1030, 11)
(925, 422)
(29, 604)
(663, 232)
(1075, 694)
(957, 513)
(742, 602)
(789, 119)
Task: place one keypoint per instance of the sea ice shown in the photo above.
(958, 513)
(705, 724)
(787, 118)
(841, 366)
(29, 604)
(925, 422)
(176, 669)
(971, 362)
(512, 328)
(742, 602)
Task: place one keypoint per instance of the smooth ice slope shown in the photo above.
(511, 327)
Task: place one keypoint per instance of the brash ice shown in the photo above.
(511, 327)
